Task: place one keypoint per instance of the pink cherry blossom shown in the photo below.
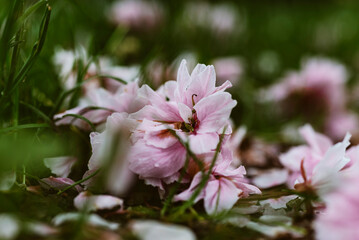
(228, 68)
(339, 220)
(316, 164)
(118, 176)
(66, 63)
(221, 19)
(323, 77)
(136, 14)
(124, 100)
(224, 187)
(340, 122)
(193, 107)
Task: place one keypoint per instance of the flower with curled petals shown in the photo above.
(193, 108)
(224, 187)
(317, 165)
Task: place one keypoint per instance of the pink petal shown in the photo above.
(152, 162)
(220, 195)
(326, 171)
(203, 143)
(96, 202)
(213, 111)
(186, 195)
(271, 178)
(183, 77)
(203, 83)
(60, 166)
(185, 112)
(319, 142)
(292, 159)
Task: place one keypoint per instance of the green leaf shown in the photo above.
(24, 126)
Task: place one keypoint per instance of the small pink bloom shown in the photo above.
(118, 176)
(228, 68)
(321, 77)
(317, 164)
(136, 14)
(193, 107)
(340, 220)
(224, 188)
(340, 122)
(124, 100)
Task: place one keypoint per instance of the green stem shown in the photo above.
(174, 189)
(204, 180)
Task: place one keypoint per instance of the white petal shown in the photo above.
(150, 230)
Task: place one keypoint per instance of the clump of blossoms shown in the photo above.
(101, 91)
(339, 219)
(187, 121)
(317, 165)
(320, 83)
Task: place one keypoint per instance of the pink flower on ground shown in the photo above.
(232, 146)
(124, 100)
(110, 150)
(66, 63)
(316, 165)
(228, 68)
(340, 218)
(340, 122)
(321, 77)
(136, 14)
(194, 108)
(221, 19)
(224, 187)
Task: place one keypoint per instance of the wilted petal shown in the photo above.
(9, 226)
(91, 219)
(58, 183)
(7, 180)
(41, 229)
(96, 202)
(60, 166)
(278, 203)
(150, 229)
(275, 231)
(271, 178)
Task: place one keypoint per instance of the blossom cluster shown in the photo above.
(178, 133)
(181, 134)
